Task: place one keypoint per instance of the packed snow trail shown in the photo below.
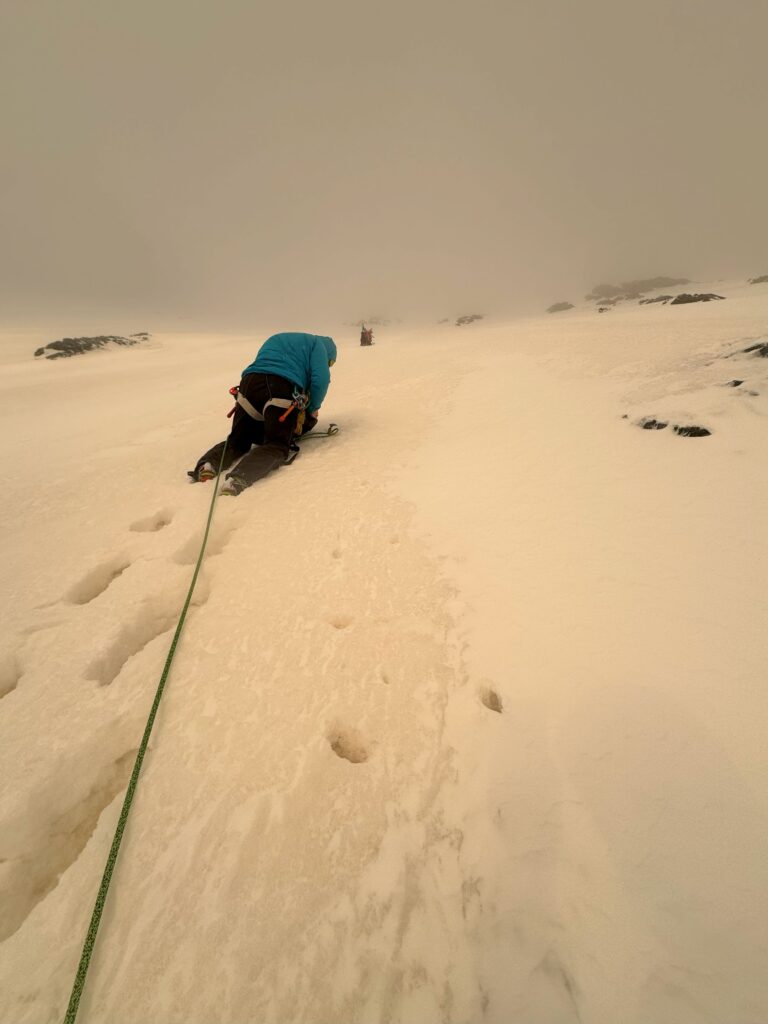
(295, 668)
(466, 723)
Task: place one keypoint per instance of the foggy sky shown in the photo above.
(234, 161)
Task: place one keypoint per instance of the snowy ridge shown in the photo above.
(467, 721)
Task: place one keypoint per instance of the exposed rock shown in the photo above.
(692, 431)
(759, 280)
(741, 391)
(648, 423)
(760, 349)
(560, 307)
(604, 309)
(659, 298)
(462, 321)
(621, 297)
(66, 347)
(685, 297)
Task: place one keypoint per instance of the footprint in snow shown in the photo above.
(97, 580)
(189, 551)
(491, 699)
(150, 619)
(10, 673)
(348, 744)
(153, 523)
(30, 874)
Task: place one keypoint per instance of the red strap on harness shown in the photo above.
(234, 392)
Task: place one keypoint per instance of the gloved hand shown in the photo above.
(310, 421)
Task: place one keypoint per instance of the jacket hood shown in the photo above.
(330, 348)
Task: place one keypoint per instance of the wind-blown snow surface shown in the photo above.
(467, 722)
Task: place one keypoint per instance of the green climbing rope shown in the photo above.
(90, 938)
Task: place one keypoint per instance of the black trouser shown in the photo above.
(272, 438)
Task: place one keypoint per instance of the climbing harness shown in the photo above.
(101, 896)
(299, 400)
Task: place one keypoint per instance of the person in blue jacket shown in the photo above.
(279, 395)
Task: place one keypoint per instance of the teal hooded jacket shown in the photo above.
(303, 359)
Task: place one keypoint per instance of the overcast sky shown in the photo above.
(232, 161)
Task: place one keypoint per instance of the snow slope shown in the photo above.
(467, 722)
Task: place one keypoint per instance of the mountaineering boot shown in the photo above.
(206, 472)
(233, 486)
(293, 451)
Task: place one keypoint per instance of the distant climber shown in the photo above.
(366, 335)
(279, 396)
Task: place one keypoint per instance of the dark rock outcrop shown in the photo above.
(759, 280)
(692, 431)
(66, 347)
(685, 297)
(469, 318)
(648, 423)
(659, 298)
(760, 349)
(559, 307)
